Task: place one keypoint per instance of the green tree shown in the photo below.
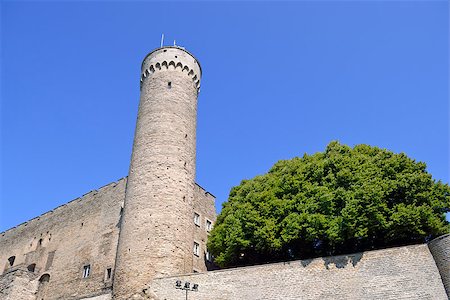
(339, 201)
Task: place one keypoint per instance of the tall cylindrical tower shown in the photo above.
(155, 236)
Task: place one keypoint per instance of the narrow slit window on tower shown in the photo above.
(169, 84)
(197, 219)
(86, 271)
(108, 274)
(196, 249)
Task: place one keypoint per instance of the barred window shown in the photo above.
(86, 271)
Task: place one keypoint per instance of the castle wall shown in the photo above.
(396, 273)
(101, 297)
(61, 242)
(18, 284)
(440, 248)
(204, 206)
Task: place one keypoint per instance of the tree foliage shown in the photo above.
(339, 201)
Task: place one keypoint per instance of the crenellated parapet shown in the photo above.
(171, 58)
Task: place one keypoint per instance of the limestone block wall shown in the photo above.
(440, 248)
(204, 207)
(101, 297)
(18, 284)
(396, 273)
(62, 241)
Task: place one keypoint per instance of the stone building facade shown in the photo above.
(134, 238)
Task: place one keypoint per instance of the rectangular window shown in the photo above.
(86, 271)
(197, 219)
(196, 249)
(208, 225)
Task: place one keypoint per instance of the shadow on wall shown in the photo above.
(339, 261)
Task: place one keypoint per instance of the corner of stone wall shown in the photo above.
(18, 284)
(440, 249)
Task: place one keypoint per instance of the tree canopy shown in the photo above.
(339, 201)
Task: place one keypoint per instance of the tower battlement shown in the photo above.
(171, 58)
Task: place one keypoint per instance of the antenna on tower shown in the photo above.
(162, 39)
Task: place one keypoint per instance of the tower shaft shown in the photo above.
(155, 235)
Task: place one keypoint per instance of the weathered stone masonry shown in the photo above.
(62, 241)
(81, 232)
(396, 273)
(159, 198)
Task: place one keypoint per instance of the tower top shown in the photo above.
(171, 57)
(168, 50)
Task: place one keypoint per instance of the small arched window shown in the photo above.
(44, 278)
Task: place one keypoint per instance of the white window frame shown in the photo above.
(86, 271)
(196, 219)
(196, 249)
(209, 225)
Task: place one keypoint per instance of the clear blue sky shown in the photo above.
(279, 80)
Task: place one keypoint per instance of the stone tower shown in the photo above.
(156, 231)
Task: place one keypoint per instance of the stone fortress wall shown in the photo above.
(18, 284)
(61, 242)
(206, 213)
(408, 272)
